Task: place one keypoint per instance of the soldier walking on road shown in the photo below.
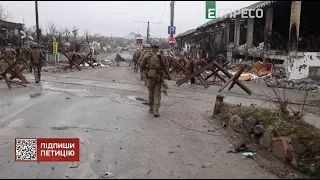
(136, 67)
(118, 59)
(134, 60)
(156, 74)
(26, 57)
(37, 60)
(143, 76)
(10, 54)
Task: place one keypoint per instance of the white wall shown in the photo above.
(299, 67)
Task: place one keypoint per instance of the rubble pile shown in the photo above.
(230, 46)
(57, 68)
(258, 49)
(300, 84)
(287, 137)
(242, 47)
(276, 52)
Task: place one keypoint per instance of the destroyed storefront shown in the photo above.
(186, 43)
(283, 43)
(289, 39)
(214, 40)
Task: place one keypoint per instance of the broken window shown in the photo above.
(5, 33)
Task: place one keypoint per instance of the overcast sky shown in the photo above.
(116, 17)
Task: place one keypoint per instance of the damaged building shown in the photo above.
(287, 35)
(10, 33)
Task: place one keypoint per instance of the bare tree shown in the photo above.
(4, 14)
(75, 33)
(67, 34)
(52, 30)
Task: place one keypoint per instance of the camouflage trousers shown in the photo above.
(143, 77)
(136, 65)
(37, 72)
(154, 88)
(28, 63)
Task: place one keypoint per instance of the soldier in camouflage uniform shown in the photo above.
(156, 74)
(118, 59)
(136, 60)
(26, 56)
(10, 54)
(37, 59)
(143, 76)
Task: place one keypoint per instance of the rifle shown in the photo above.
(165, 66)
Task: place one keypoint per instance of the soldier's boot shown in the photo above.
(39, 73)
(36, 74)
(151, 109)
(156, 113)
(157, 100)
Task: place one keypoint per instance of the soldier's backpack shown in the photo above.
(35, 56)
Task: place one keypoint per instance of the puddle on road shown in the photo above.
(63, 128)
(144, 101)
(128, 99)
(136, 98)
(35, 95)
(77, 92)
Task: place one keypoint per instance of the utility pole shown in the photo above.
(148, 32)
(37, 22)
(171, 19)
(148, 27)
(171, 15)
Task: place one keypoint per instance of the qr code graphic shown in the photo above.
(26, 149)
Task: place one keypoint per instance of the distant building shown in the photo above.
(95, 47)
(139, 41)
(10, 32)
(131, 36)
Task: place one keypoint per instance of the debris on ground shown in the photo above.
(107, 175)
(206, 165)
(247, 155)
(241, 148)
(74, 165)
(287, 136)
(272, 75)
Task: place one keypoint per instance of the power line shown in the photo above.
(148, 27)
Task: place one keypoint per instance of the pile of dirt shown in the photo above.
(289, 138)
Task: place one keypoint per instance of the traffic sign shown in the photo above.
(55, 48)
(172, 41)
(171, 30)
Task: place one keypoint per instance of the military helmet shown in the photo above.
(155, 43)
(9, 44)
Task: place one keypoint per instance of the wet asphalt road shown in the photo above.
(105, 108)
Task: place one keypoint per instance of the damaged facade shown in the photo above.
(286, 36)
(10, 33)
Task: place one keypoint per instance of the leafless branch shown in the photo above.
(4, 14)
